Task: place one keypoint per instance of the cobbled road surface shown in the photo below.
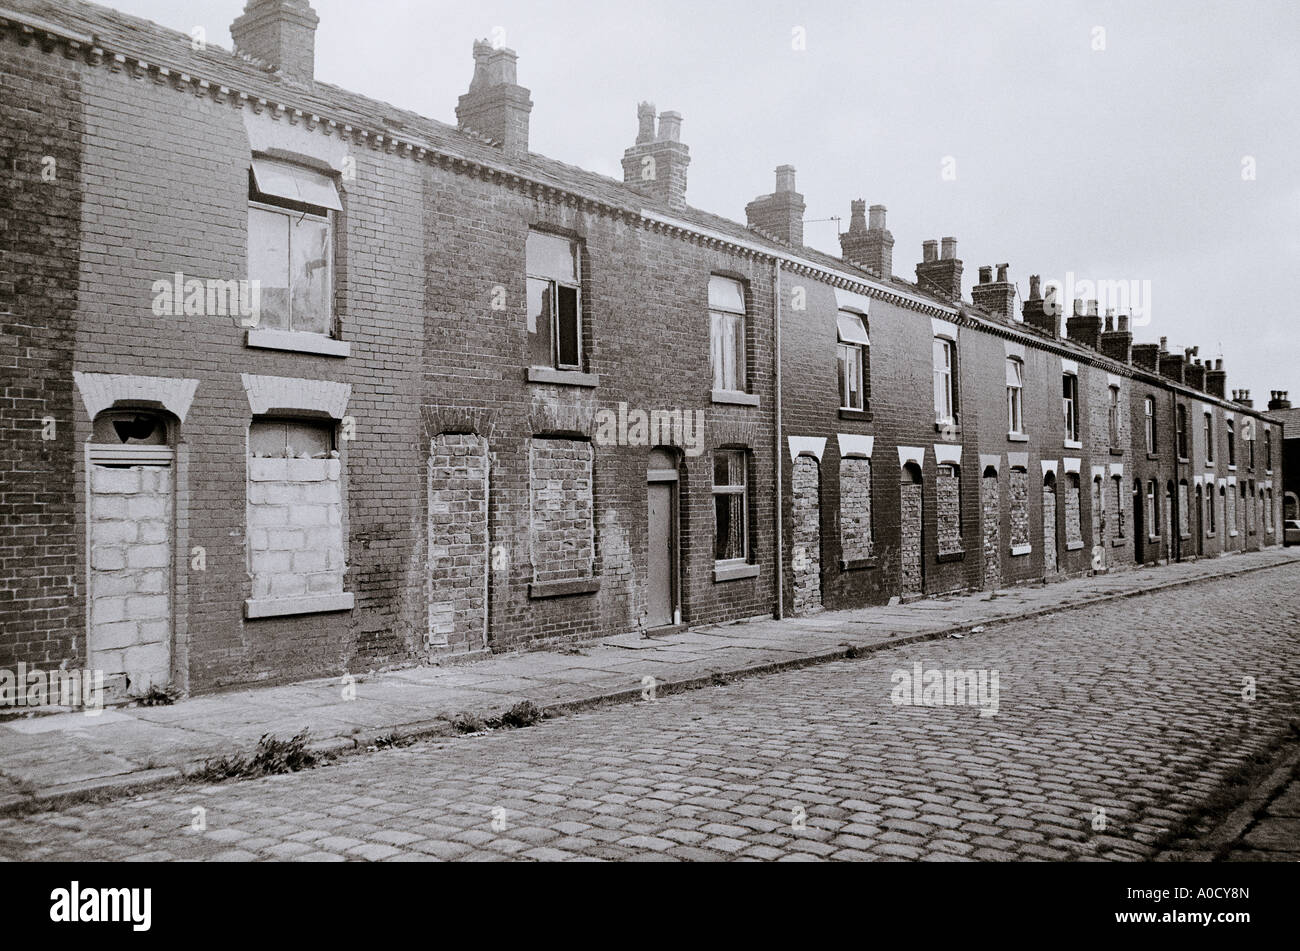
(1113, 724)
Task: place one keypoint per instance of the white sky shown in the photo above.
(1120, 164)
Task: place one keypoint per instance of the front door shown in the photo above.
(662, 605)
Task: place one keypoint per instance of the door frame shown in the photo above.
(671, 477)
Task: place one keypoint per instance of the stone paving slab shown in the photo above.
(69, 749)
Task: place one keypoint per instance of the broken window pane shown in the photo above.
(310, 275)
(568, 329)
(268, 264)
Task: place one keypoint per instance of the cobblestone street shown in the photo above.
(1112, 725)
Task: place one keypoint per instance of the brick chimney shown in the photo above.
(781, 213)
(940, 274)
(1216, 379)
(496, 105)
(1194, 370)
(1039, 313)
(1171, 364)
(1242, 398)
(868, 243)
(1278, 400)
(1117, 340)
(1147, 356)
(1084, 326)
(995, 296)
(280, 33)
(656, 164)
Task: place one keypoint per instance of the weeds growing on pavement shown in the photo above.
(271, 756)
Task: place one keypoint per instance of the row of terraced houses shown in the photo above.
(297, 383)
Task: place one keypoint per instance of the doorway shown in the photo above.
(663, 574)
(912, 581)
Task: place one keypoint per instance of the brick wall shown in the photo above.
(458, 541)
(1019, 506)
(948, 499)
(806, 555)
(561, 540)
(855, 509)
(1073, 510)
(1049, 527)
(991, 522)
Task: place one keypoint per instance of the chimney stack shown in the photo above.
(1117, 340)
(1242, 397)
(1147, 356)
(280, 33)
(781, 213)
(1171, 364)
(496, 105)
(1084, 327)
(940, 276)
(868, 242)
(1215, 379)
(997, 297)
(1194, 370)
(656, 164)
(1039, 313)
(1278, 400)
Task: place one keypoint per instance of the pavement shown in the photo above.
(71, 756)
(1113, 728)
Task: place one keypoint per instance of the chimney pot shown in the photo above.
(1092, 308)
(670, 127)
(785, 178)
(1110, 322)
(1035, 290)
(929, 251)
(1123, 323)
(656, 163)
(949, 251)
(877, 218)
(858, 216)
(645, 116)
(1002, 273)
(496, 105)
(1079, 310)
(986, 275)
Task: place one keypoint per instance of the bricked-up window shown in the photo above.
(1019, 484)
(1230, 428)
(1149, 420)
(727, 334)
(1184, 517)
(554, 269)
(1118, 498)
(291, 246)
(1098, 500)
(945, 394)
(1209, 514)
(856, 529)
(1112, 417)
(730, 506)
(1070, 405)
(1180, 430)
(948, 504)
(1229, 503)
(852, 357)
(1073, 511)
(1209, 437)
(1015, 396)
(295, 527)
(562, 533)
(1153, 510)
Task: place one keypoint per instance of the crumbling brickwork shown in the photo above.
(1049, 527)
(1018, 485)
(991, 520)
(948, 509)
(910, 537)
(1073, 511)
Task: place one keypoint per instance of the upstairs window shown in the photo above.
(1181, 430)
(1070, 406)
(1209, 438)
(1230, 426)
(1268, 450)
(1149, 417)
(945, 402)
(554, 270)
(1015, 396)
(291, 246)
(1112, 417)
(727, 334)
(852, 360)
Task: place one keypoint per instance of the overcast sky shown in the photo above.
(1121, 163)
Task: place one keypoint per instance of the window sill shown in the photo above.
(1118, 542)
(733, 398)
(1232, 468)
(1017, 437)
(944, 558)
(562, 377)
(1073, 444)
(1232, 534)
(284, 607)
(561, 589)
(1209, 535)
(1116, 452)
(1153, 538)
(1186, 536)
(264, 339)
(858, 414)
(724, 571)
(1153, 455)
(1073, 546)
(949, 428)
(857, 564)
(1018, 550)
